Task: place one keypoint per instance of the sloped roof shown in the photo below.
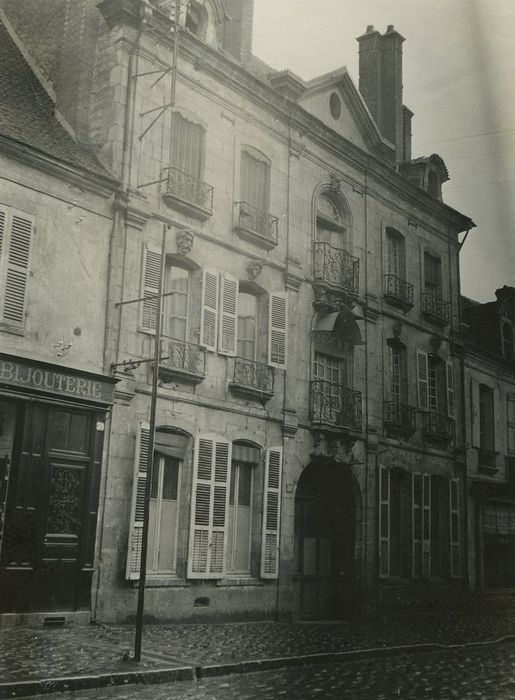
(27, 113)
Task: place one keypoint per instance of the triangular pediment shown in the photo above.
(334, 100)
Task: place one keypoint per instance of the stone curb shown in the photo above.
(148, 677)
(43, 686)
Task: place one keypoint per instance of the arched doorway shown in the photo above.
(325, 519)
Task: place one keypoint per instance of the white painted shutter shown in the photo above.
(228, 331)
(138, 501)
(450, 389)
(423, 380)
(209, 504)
(150, 275)
(209, 310)
(277, 331)
(271, 513)
(384, 522)
(16, 231)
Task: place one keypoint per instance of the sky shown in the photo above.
(459, 80)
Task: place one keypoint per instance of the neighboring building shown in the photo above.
(309, 451)
(55, 228)
(490, 398)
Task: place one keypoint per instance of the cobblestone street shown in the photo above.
(484, 672)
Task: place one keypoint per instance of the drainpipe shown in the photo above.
(117, 221)
(365, 513)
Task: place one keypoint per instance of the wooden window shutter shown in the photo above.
(209, 309)
(150, 275)
(454, 534)
(384, 522)
(271, 513)
(277, 331)
(423, 380)
(209, 502)
(426, 525)
(16, 232)
(450, 389)
(228, 331)
(138, 501)
(416, 524)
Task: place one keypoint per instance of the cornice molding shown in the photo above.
(98, 184)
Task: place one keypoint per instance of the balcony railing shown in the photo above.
(196, 195)
(398, 291)
(437, 309)
(334, 405)
(182, 360)
(252, 379)
(336, 266)
(400, 416)
(254, 222)
(438, 426)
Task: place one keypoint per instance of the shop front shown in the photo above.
(52, 422)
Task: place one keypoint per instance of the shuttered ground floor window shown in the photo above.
(499, 545)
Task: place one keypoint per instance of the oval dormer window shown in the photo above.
(335, 106)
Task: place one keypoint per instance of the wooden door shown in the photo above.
(47, 553)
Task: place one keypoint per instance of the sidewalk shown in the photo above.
(44, 660)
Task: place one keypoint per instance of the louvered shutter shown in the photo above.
(228, 331)
(138, 501)
(423, 380)
(209, 310)
(277, 331)
(450, 389)
(150, 274)
(271, 513)
(209, 503)
(16, 231)
(384, 522)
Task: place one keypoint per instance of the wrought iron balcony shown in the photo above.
(400, 417)
(256, 224)
(438, 427)
(182, 360)
(438, 310)
(398, 292)
(188, 193)
(334, 405)
(486, 460)
(252, 379)
(337, 267)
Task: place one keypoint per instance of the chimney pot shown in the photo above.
(370, 28)
(390, 28)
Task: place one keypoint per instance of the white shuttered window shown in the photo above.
(228, 331)
(209, 311)
(16, 233)
(187, 146)
(138, 501)
(422, 380)
(209, 506)
(277, 331)
(271, 513)
(150, 274)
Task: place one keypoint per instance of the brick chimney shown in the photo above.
(238, 28)
(380, 84)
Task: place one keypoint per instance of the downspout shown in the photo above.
(466, 512)
(118, 204)
(285, 388)
(365, 512)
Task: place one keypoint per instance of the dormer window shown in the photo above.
(507, 340)
(196, 20)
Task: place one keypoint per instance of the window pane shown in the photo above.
(244, 485)
(170, 478)
(247, 325)
(178, 282)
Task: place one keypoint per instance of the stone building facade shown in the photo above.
(490, 396)
(310, 428)
(55, 228)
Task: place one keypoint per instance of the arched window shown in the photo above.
(196, 19)
(395, 253)
(247, 324)
(331, 223)
(245, 458)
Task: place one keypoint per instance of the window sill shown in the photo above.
(186, 207)
(234, 581)
(171, 374)
(163, 581)
(8, 328)
(250, 392)
(255, 237)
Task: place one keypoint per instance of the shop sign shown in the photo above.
(24, 375)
